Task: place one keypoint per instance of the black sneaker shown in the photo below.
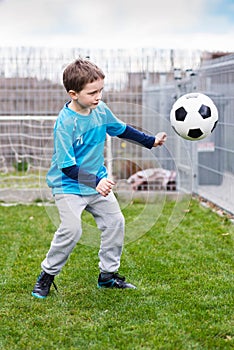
(42, 287)
(113, 280)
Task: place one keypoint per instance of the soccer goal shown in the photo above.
(26, 146)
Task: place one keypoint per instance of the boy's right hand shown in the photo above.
(105, 186)
(160, 138)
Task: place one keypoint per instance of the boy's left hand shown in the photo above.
(160, 138)
(104, 187)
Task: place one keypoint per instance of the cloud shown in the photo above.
(27, 17)
(116, 23)
(128, 18)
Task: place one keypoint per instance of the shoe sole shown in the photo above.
(38, 296)
(103, 286)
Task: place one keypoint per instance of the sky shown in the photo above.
(182, 24)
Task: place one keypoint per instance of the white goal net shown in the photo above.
(26, 146)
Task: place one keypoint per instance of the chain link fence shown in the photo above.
(140, 88)
(204, 167)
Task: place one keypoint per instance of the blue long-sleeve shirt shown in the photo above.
(78, 160)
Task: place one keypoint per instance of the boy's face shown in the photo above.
(89, 97)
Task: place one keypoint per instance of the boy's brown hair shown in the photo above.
(79, 73)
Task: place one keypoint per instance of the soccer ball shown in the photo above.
(194, 116)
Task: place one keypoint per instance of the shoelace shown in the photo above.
(48, 279)
(55, 287)
(119, 277)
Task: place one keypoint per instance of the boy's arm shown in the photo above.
(103, 186)
(140, 137)
(75, 173)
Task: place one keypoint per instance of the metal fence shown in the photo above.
(141, 87)
(204, 167)
(216, 166)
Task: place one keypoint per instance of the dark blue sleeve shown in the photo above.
(75, 173)
(133, 134)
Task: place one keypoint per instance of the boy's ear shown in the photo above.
(72, 94)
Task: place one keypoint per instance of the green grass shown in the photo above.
(184, 298)
(31, 178)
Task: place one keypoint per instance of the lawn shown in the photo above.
(184, 277)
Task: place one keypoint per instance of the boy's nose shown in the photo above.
(99, 96)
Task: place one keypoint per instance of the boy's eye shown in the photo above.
(95, 92)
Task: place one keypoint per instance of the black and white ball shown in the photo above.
(194, 116)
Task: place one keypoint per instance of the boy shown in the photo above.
(79, 179)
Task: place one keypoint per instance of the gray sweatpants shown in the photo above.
(109, 219)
